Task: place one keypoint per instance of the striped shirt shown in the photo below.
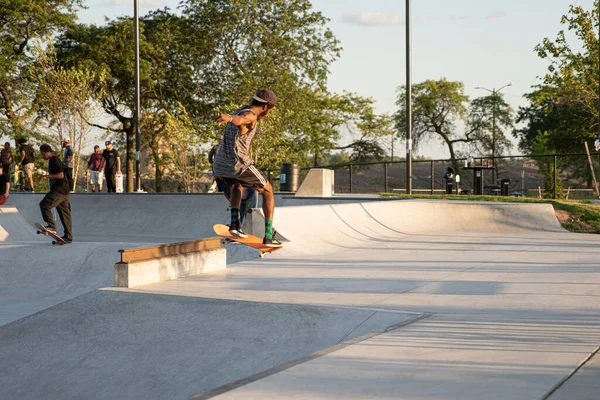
(233, 157)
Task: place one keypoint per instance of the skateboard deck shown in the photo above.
(42, 231)
(251, 241)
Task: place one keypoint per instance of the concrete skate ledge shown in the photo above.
(152, 264)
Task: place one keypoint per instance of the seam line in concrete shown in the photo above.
(566, 378)
(272, 371)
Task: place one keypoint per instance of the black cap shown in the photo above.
(266, 96)
(45, 148)
(107, 143)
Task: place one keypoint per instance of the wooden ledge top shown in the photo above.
(168, 250)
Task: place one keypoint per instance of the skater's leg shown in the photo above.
(64, 212)
(48, 202)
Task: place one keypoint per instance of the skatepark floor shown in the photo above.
(385, 300)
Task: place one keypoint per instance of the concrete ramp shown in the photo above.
(34, 277)
(14, 228)
(324, 229)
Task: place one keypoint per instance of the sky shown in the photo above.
(482, 43)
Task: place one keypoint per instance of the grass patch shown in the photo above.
(580, 216)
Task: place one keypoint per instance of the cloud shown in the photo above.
(372, 19)
(142, 3)
(495, 15)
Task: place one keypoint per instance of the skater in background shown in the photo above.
(58, 197)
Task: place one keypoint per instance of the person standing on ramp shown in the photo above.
(58, 197)
(234, 165)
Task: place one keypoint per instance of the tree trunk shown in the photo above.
(130, 160)
(158, 175)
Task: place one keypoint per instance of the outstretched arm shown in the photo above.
(247, 118)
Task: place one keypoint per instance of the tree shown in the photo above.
(549, 126)
(21, 22)
(572, 75)
(439, 107)
(490, 118)
(65, 97)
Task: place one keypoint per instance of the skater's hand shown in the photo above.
(223, 119)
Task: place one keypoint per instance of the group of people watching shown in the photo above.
(103, 164)
(100, 165)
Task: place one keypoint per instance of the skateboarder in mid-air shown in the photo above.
(235, 166)
(57, 197)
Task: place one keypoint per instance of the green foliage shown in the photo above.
(490, 118)
(22, 22)
(442, 111)
(563, 110)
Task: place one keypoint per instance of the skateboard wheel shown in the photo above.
(54, 242)
(261, 255)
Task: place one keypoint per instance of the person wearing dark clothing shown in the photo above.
(4, 186)
(68, 162)
(213, 151)
(58, 197)
(6, 158)
(220, 184)
(27, 163)
(112, 166)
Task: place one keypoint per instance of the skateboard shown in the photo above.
(42, 231)
(250, 241)
(119, 182)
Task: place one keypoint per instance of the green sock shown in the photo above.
(235, 215)
(269, 228)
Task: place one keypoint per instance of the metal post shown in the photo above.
(408, 103)
(432, 177)
(494, 141)
(350, 177)
(385, 171)
(555, 176)
(138, 181)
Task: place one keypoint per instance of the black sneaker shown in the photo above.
(236, 231)
(272, 242)
(67, 240)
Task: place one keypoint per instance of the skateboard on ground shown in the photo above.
(42, 231)
(251, 241)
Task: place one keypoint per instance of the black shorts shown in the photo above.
(252, 177)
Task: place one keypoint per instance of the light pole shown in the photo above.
(408, 103)
(494, 95)
(136, 20)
